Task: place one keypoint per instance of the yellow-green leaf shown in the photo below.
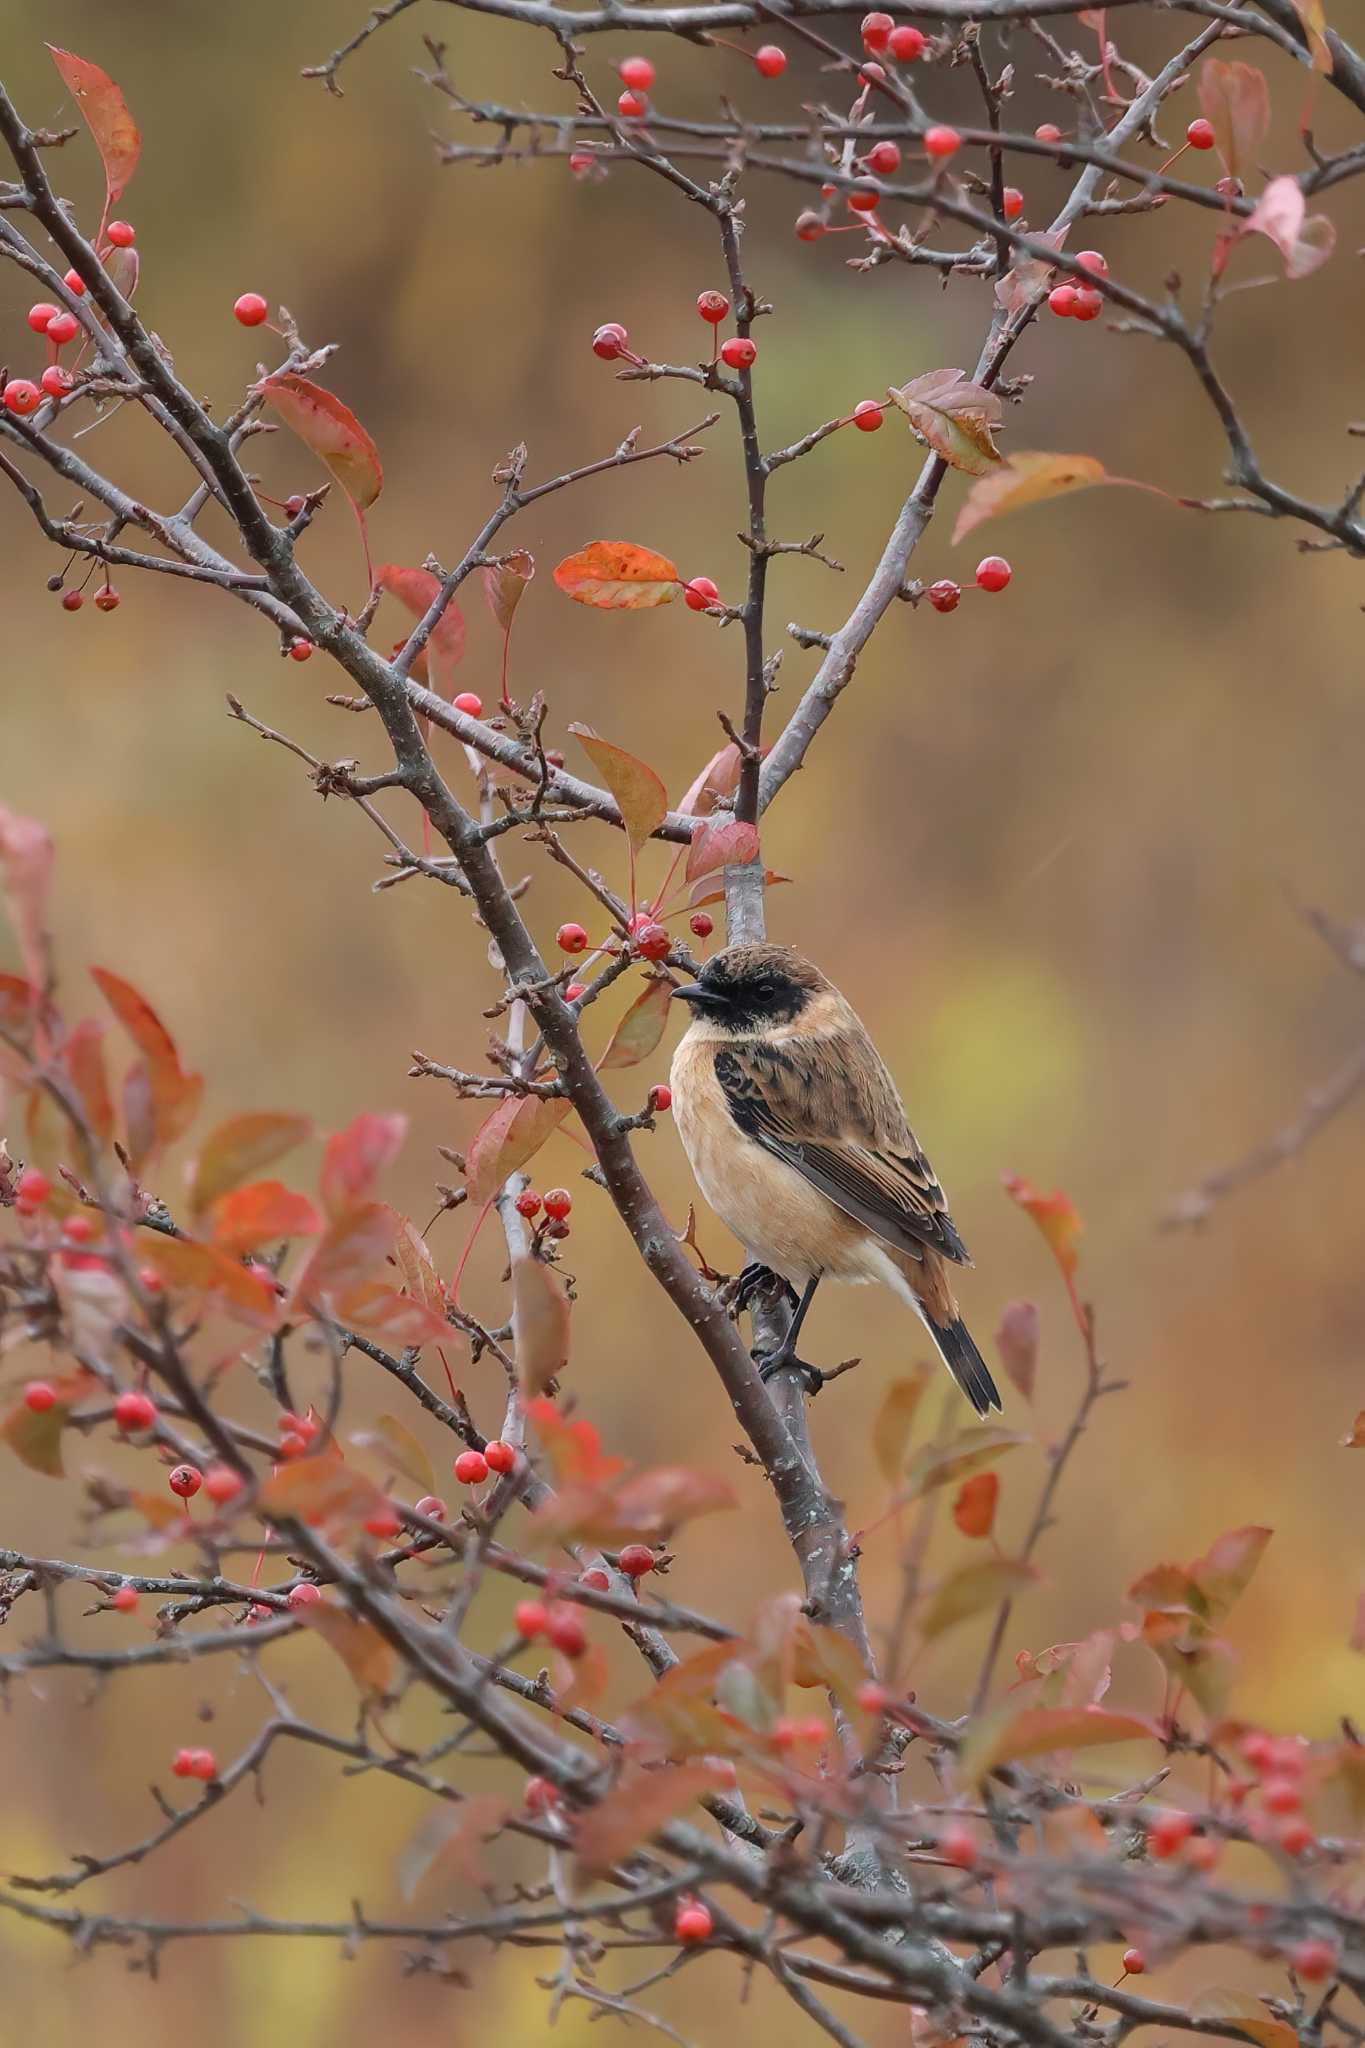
(969, 1451)
(1013, 1734)
(1026, 478)
(895, 1419)
(640, 1030)
(974, 1589)
(398, 1448)
(639, 793)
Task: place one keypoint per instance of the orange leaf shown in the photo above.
(1055, 1215)
(391, 1318)
(83, 1057)
(105, 113)
(1356, 1440)
(617, 576)
(640, 1030)
(355, 1158)
(705, 892)
(507, 1139)
(1236, 100)
(26, 856)
(505, 585)
(974, 1508)
(540, 1323)
(249, 1217)
(640, 795)
(573, 1448)
(1314, 18)
(1017, 1342)
(731, 845)
(679, 1717)
(321, 1490)
(354, 1245)
(1026, 478)
(1245, 2015)
(235, 1150)
(1038, 1731)
(202, 1269)
(36, 1439)
(641, 1508)
(371, 1661)
(640, 1802)
(175, 1095)
(331, 430)
(416, 590)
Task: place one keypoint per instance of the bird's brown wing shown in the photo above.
(827, 1106)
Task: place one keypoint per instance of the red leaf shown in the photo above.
(235, 1150)
(417, 590)
(505, 585)
(540, 1323)
(393, 1319)
(355, 1245)
(26, 855)
(640, 795)
(255, 1215)
(321, 1490)
(718, 779)
(640, 1508)
(573, 1448)
(83, 1057)
(1279, 215)
(331, 430)
(1039, 1731)
(974, 1508)
(640, 1030)
(175, 1094)
(204, 1271)
(618, 576)
(357, 1156)
(721, 846)
(1017, 1342)
(507, 1139)
(1236, 99)
(1055, 1216)
(105, 113)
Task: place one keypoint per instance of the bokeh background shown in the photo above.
(1053, 846)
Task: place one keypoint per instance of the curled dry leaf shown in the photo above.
(1016, 1340)
(618, 576)
(417, 590)
(1305, 244)
(639, 793)
(235, 1150)
(974, 1589)
(420, 1277)
(1026, 478)
(505, 585)
(728, 845)
(1054, 1214)
(507, 1139)
(1235, 99)
(640, 1030)
(953, 416)
(356, 1157)
(331, 430)
(540, 1323)
(105, 113)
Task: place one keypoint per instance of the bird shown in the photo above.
(797, 1137)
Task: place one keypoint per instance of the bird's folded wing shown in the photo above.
(828, 1107)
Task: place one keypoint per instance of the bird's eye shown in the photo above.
(766, 989)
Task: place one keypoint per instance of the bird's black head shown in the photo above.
(752, 988)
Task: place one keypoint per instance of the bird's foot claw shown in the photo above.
(769, 1363)
(754, 1280)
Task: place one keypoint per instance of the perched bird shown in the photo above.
(798, 1140)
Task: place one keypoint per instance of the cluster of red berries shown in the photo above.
(1072, 301)
(195, 1763)
(884, 37)
(297, 1432)
(805, 1732)
(992, 574)
(557, 1204)
(1278, 1763)
(473, 1467)
(560, 1624)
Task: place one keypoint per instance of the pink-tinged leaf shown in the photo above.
(1054, 1214)
(507, 1139)
(718, 780)
(1223, 1575)
(357, 1243)
(398, 1450)
(617, 576)
(1236, 100)
(895, 1421)
(706, 892)
(451, 1837)
(953, 416)
(206, 1273)
(259, 1214)
(420, 1277)
(105, 113)
(540, 1324)
(505, 585)
(638, 1803)
(26, 855)
(82, 1056)
(322, 1490)
(1279, 215)
(36, 1439)
(175, 1094)
(356, 1157)
(1356, 1440)
(394, 1320)
(236, 1150)
(640, 1030)
(417, 590)
(331, 430)
(730, 845)
(1016, 1340)
(1314, 18)
(1026, 478)
(640, 795)
(371, 1661)
(1011, 1736)
(1028, 279)
(973, 1589)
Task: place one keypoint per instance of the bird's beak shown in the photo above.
(692, 992)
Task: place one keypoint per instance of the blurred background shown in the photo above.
(1052, 846)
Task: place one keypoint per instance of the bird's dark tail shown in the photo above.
(966, 1364)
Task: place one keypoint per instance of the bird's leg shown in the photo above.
(754, 1279)
(784, 1359)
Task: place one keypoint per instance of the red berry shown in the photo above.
(864, 199)
(1281, 1795)
(305, 1594)
(660, 1098)
(1203, 1853)
(121, 233)
(1089, 304)
(565, 1632)
(471, 1468)
(653, 943)
(638, 72)
(867, 415)
(713, 306)
(468, 703)
(300, 650)
(1134, 1961)
(1169, 1833)
(39, 1397)
(1200, 134)
(1295, 1836)
(573, 991)
(383, 1522)
(786, 1732)
(941, 142)
(22, 396)
(78, 1229)
(883, 158)
(250, 309)
(1093, 261)
(31, 1190)
(1013, 202)
(528, 1203)
(72, 601)
(635, 1560)
(692, 1922)
(809, 227)
(433, 1507)
(631, 107)
(498, 1456)
(906, 44)
(581, 161)
(770, 60)
(222, 1484)
(872, 1698)
(609, 340)
(182, 1763)
(1287, 1755)
(203, 1764)
(134, 1410)
(699, 593)
(1062, 300)
(558, 1204)
(702, 925)
(39, 315)
(541, 1795)
(63, 327)
(530, 1618)
(877, 31)
(945, 595)
(1046, 131)
(958, 1845)
(994, 573)
(292, 1445)
(739, 352)
(185, 1480)
(1313, 1960)
(74, 283)
(294, 504)
(571, 938)
(596, 1579)
(125, 1600)
(108, 599)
